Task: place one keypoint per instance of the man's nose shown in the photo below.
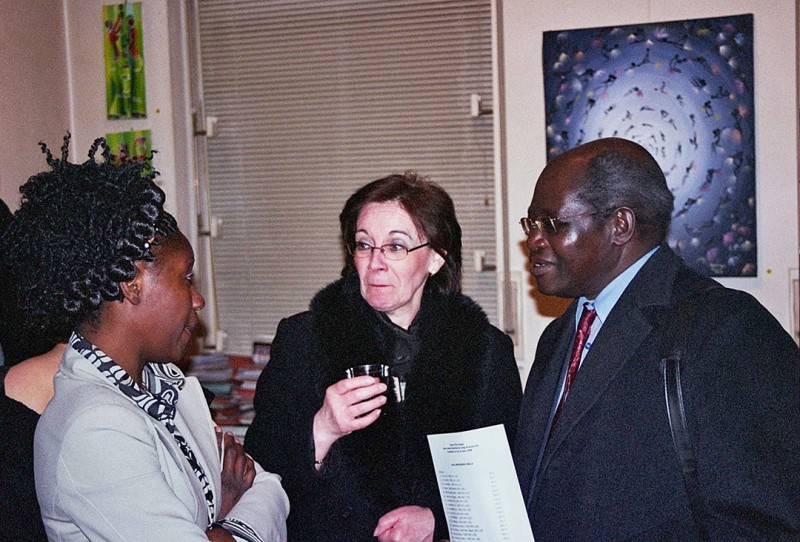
(535, 240)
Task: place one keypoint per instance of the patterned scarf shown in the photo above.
(162, 383)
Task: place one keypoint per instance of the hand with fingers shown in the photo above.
(406, 524)
(238, 471)
(350, 404)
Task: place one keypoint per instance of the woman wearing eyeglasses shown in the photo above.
(353, 452)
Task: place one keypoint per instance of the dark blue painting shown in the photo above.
(683, 90)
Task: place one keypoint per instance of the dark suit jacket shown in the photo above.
(609, 470)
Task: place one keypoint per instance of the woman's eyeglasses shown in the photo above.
(391, 251)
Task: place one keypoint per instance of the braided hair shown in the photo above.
(78, 232)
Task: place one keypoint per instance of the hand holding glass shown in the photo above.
(350, 405)
(376, 370)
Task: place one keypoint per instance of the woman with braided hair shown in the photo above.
(126, 449)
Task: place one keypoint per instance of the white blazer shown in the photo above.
(106, 470)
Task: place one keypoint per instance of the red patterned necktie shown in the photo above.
(581, 336)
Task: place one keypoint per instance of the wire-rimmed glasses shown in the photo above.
(391, 251)
(549, 225)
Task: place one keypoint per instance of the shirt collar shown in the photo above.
(161, 383)
(609, 296)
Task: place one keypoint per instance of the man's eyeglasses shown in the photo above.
(549, 225)
(392, 251)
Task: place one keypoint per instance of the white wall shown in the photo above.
(523, 24)
(34, 96)
(776, 123)
(165, 93)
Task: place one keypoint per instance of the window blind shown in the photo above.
(315, 99)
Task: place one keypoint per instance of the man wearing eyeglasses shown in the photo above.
(594, 452)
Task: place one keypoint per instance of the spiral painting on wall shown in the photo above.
(683, 90)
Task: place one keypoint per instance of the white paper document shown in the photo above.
(479, 487)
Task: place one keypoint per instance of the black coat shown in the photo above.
(464, 376)
(609, 471)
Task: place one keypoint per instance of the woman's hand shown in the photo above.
(406, 524)
(350, 404)
(238, 472)
(218, 534)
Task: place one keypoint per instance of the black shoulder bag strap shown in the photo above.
(675, 350)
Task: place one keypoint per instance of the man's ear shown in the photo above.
(623, 226)
(132, 289)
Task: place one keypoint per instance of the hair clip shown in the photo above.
(163, 227)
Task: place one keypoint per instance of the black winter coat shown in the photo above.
(464, 376)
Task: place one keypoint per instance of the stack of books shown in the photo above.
(214, 371)
(233, 380)
(245, 390)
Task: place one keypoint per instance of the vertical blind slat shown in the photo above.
(314, 99)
